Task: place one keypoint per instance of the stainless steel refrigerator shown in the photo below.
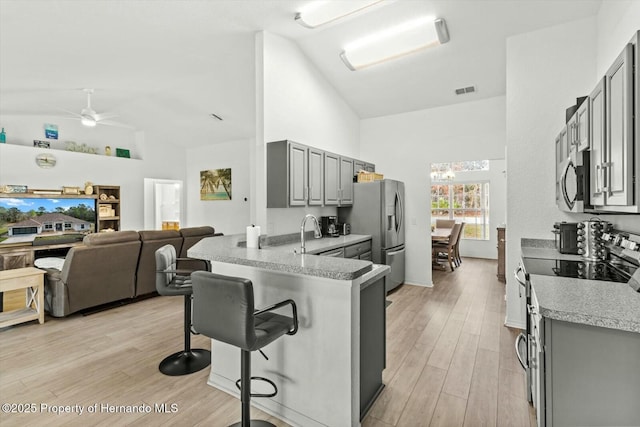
(378, 210)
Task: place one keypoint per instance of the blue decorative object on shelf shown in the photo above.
(3, 137)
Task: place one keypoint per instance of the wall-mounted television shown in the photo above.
(37, 220)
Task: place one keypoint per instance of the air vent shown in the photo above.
(463, 90)
(215, 116)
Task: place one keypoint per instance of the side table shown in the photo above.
(32, 280)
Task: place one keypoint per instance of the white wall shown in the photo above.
(617, 21)
(226, 216)
(17, 166)
(296, 102)
(403, 146)
(546, 71)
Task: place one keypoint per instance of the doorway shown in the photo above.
(163, 204)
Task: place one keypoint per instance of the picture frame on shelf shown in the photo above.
(50, 131)
(11, 189)
(123, 152)
(41, 144)
(70, 190)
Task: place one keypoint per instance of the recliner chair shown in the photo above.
(170, 282)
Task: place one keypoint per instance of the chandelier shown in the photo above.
(448, 175)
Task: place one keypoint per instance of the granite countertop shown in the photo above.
(315, 246)
(280, 257)
(590, 302)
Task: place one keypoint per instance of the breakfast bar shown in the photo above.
(330, 372)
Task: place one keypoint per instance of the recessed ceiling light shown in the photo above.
(395, 42)
(319, 13)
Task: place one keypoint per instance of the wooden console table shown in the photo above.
(32, 280)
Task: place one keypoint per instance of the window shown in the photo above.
(48, 226)
(67, 226)
(466, 202)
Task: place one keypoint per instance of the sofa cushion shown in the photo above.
(191, 236)
(152, 240)
(108, 238)
(98, 274)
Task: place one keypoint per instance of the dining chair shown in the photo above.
(458, 258)
(448, 247)
(445, 223)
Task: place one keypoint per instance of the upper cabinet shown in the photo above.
(338, 180)
(315, 176)
(597, 127)
(615, 150)
(581, 132)
(299, 175)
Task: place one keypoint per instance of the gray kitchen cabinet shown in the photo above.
(335, 253)
(582, 137)
(286, 174)
(615, 162)
(358, 165)
(338, 180)
(331, 179)
(299, 175)
(572, 141)
(583, 374)
(619, 83)
(346, 181)
(360, 250)
(316, 176)
(597, 127)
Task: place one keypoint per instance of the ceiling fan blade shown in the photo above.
(75, 115)
(115, 124)
(104, 116)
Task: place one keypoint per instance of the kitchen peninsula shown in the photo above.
(330, 372)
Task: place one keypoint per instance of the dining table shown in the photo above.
(440, 235)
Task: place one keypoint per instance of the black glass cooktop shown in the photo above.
(592, 270)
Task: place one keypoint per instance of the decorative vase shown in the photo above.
(107, 150)
(88, 189)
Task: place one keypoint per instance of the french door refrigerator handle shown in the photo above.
(399, 212)
(395, 252)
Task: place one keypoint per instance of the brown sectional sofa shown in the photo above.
(115, 266)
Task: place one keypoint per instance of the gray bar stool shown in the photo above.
(223, 309)
(170, 282)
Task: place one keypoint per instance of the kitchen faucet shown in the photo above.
(317, 233)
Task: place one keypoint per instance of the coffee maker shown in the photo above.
(329, 226)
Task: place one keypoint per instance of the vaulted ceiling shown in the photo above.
(172, 63)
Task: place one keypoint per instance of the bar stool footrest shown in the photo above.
(275, 389)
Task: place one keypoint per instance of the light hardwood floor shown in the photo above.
(450, 362)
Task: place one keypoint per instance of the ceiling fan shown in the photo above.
(90, 118)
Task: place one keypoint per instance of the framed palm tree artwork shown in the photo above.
(215, 184)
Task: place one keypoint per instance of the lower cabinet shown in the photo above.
(584, 375)
(372, 343)
(359, 251)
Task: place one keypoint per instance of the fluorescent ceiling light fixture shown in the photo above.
(395, 42)
(322, 12)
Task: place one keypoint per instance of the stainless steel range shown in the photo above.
(617, 260)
